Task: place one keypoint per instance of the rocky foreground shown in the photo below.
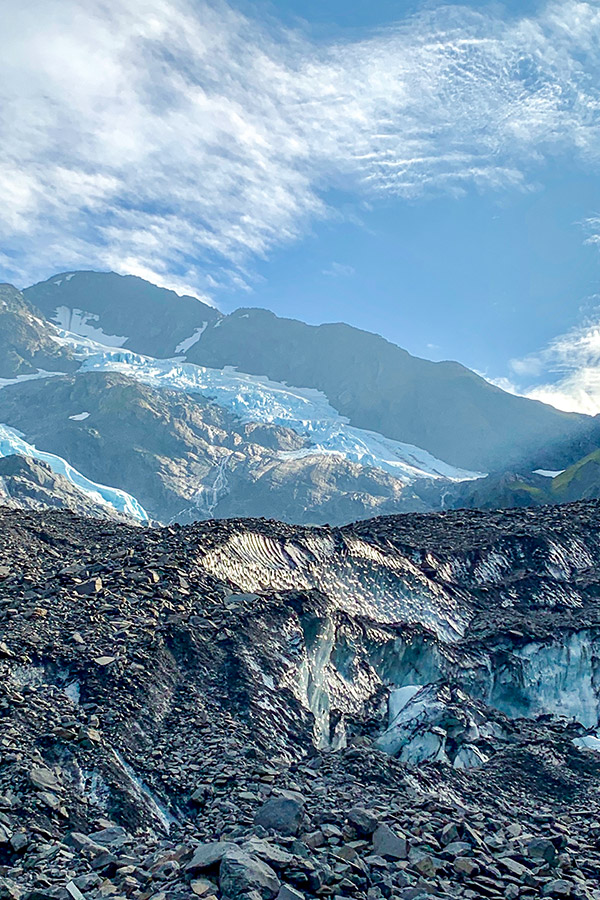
(406, 708)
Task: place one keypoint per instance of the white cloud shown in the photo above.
(182, 140)
(339, 270)
(568, 370)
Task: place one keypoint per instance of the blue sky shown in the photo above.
(424, 170)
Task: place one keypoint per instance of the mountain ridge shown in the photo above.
(443, 407)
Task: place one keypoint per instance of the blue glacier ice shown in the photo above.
(11, 444)
(256, 399)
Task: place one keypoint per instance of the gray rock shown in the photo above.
(557, 888)
(542, 848)
(87, 588)
(465, 866)
(283, 813)
(388, 844)
(115, 836)
(458, 848)
(449, 833)
(73, 891)
(241, 873)
(289, 893)
(207, 855)
(9, 890)
(363, 821)
(44, 779)
(268, 852)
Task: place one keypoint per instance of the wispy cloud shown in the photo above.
(339, 270)
(566, 373)
(182, 139)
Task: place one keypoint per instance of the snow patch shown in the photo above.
(80, 417)
(78, 321)
(589, 742)
(548, 473)
(11, 444)
(185, 345)
(41, 373)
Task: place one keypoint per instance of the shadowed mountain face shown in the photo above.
(443, 407)
(123, 311)
(27, 340)
(27, 483)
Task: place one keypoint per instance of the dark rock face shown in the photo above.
(144, 318)
(161, 689)
(443, 407)
(27, 483)
(283, 814)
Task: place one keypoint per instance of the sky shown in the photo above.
(425, 170)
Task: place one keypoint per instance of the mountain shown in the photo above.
(184, 457)
(78, 493)
(579, 481)
(443, 408)
(242, 709)
(192, 414)
(123, 311)
(27, 342)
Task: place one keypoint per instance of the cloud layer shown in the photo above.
(180, 140)
(566, 373)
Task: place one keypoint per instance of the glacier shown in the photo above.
(12, 443)
(253, 398)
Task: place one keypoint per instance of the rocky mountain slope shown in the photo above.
(262, 416)
(29, 483)
(189, 442)
(26, 339)
(184, 457)
(404, 707)
(443, 407)
(579, 481)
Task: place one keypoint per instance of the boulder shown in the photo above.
(241, 874)
(283, 813)
(388, 844)
(363, 821)
(542, 848)
(207, 855)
